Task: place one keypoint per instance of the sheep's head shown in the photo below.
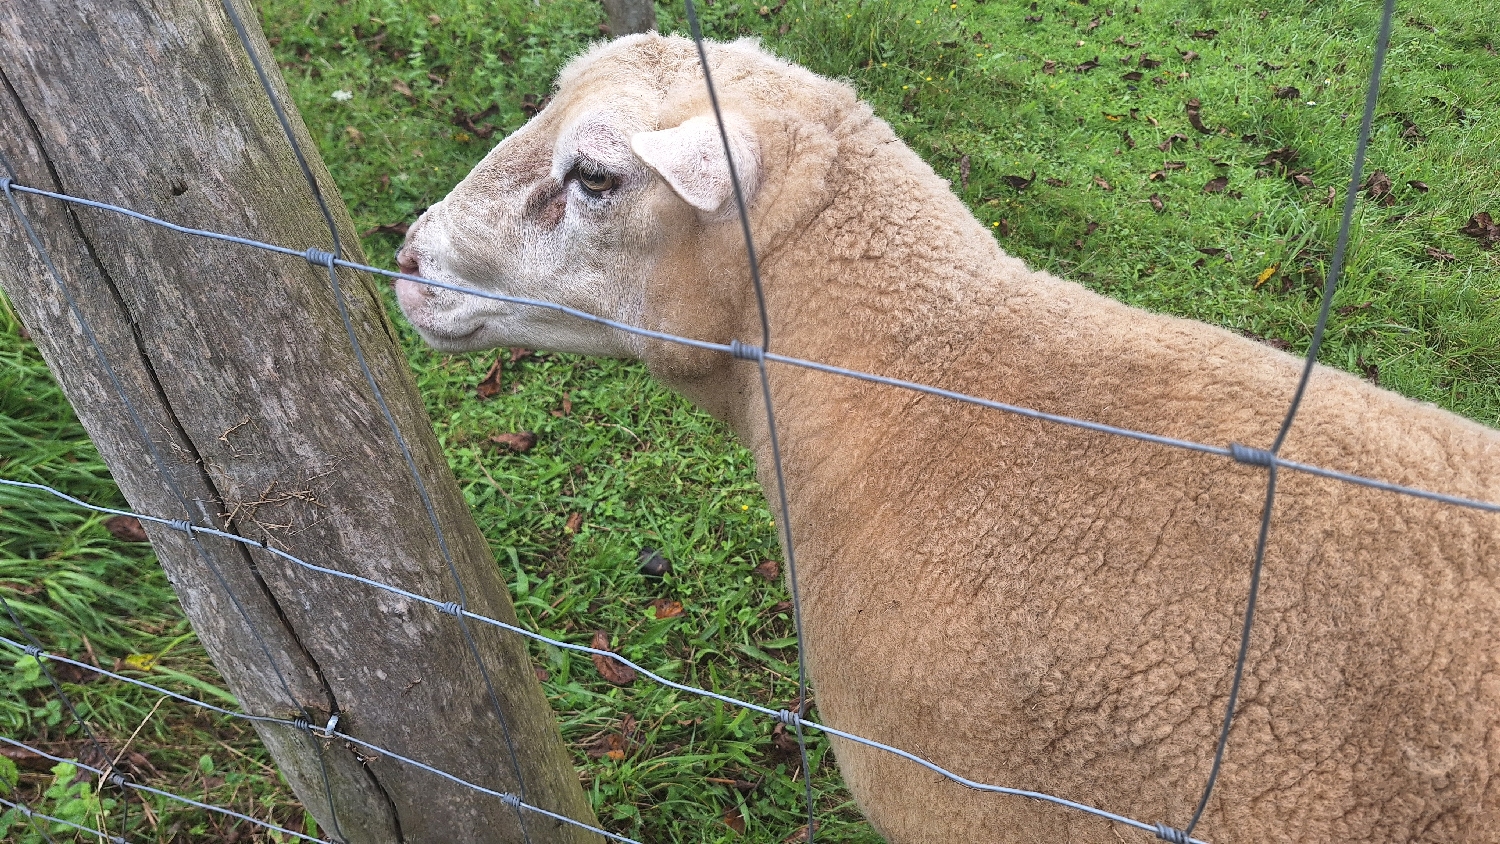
(617, 200)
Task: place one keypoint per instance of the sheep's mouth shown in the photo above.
(440, 339)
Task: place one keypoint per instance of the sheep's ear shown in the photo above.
(690, 158)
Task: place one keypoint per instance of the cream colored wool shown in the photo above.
(1023, 603)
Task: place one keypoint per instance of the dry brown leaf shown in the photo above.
(1101, 183)
(1378, 187)
(1216, 185)
(1442, 255)
(963, 172)
(575, 523)
(125, 528)
(733, 820)
(518, 441)
(490, 386)
(1157, 204)
(610, 669)
(768, 570)
(1287, 92)
(1087, 66)
(1019, 182)
(664, 608)
(403, 89)
(1482, 228)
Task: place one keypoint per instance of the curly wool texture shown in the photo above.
(1023, 603)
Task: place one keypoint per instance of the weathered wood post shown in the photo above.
(627, 17)
(239, 371)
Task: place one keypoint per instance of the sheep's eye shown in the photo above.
(597, 183)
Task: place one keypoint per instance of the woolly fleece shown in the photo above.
(1023, 603)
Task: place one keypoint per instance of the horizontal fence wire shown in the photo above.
(300, 725)
(1268, 459)
(1233, 451)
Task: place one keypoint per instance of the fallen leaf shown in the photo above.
(1411, 132)
(1188, 56)
(1216, 185)
(489, 386)
(1003, 227)
(1371, 371)
(1205, 34)
(1482, 228)
(1287, 93)
(1378, 186)
(799, 835)
(387, 228)
(1332, 197)
(1093, 25)
(1166, 146)
(1133, 76)
(610, 669)
(355, 136)
(1301, 177)
(653, 564)
(1087, 66)
(768, 570)
(531, 105)
(1211, 251)
(1349, 309)
(1174, 165)
(663, 608)
(1156, 176)
(1437, 254)
(1033, 18)
(1419, 187)
(125, 528)
(1129, 141)
(403, 89)
(1195, 118)
(1049, 66)
(733, 820)
(518, 441)
(1266, 275)
(542, 675)
(1157, 204)
(1019, 182)
(1279, 157)
(1101, 183)
(1148, 63)
(574, 523)
(963, 172)
(141, 662)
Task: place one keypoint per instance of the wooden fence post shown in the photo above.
(627, 17)
(238, 368)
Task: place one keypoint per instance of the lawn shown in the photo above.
(1181, 156)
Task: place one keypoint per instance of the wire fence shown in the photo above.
(760, 355)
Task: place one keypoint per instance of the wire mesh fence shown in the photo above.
(758, 355)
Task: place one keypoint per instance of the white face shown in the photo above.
(575, 208)
(538, 219)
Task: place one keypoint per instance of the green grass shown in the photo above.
(993, 84)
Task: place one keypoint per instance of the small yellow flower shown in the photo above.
(994, 225)
(904, 87)
(953, 5)
(919, 23)
(744, 507)
(929, 79)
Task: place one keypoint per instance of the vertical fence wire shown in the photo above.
(316, 256)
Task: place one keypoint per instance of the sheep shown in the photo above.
(1023, 603)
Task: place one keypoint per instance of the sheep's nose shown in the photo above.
(406, 261)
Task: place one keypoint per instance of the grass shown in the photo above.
(1061, 159)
